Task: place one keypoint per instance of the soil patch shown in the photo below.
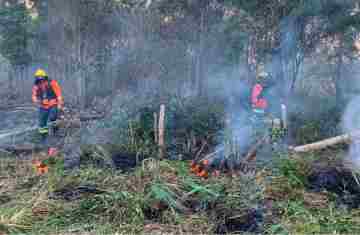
(339, 181)
(247, 221)
(74, 193)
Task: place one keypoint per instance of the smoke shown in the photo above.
(351, 121)
(236, 137)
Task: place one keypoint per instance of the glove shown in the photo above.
(60, 106)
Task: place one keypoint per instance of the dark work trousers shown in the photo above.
(46, 115)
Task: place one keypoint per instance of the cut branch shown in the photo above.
(251, 155)
(346, 138)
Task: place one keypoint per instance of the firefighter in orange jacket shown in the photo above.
(259, 102)
(46, 94)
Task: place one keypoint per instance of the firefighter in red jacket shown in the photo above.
(259, 102)
(46, 94)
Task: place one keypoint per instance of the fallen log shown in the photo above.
(341, 139)
(17, 149)
(15, 132)
(85, 118)
(72, 123)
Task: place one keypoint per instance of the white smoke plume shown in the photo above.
(351, 123)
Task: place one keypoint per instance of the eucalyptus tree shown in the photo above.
(14, 37)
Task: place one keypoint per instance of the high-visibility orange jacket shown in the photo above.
(47, 93)
(256, 100)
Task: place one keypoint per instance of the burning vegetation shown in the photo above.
(200, 117)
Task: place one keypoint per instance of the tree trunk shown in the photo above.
(81, 72)
(338, 90)
(290, 52)
(23, 83)
(338, 74)
(11, 75)
(251, 59)
(201, 54)
(162, 132)
(156, 136)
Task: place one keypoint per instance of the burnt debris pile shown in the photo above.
(340, 181)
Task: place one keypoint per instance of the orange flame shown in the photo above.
(40, 167)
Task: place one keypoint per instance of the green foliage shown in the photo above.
(236, 40)
(189, 119)
(308, 133)
(310, 126)
(299, 219)
(15, 220)
(14, 29)
(186, 120)
(295, 171)
(93, 213)
(243, 193)
(207, 193)
(187, 188)
(277, 133)
(57, 177)
(135, 138)
(160, 192)
(200, 116)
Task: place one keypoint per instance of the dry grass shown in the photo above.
(30, 210)
(17, 171)
(174, 198)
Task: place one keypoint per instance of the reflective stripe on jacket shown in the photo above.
(47, 93)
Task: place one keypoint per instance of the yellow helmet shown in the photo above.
(262, 75)
(40, 73)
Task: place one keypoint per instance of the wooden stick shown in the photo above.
(162, 131)
(346, 138)
(156, 135)
(201, 150)
(210, 155)
(251, 155)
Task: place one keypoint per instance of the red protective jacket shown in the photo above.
(47, 93)
(256, 100)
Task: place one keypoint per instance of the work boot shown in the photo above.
(43, 133)
(43, 130)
